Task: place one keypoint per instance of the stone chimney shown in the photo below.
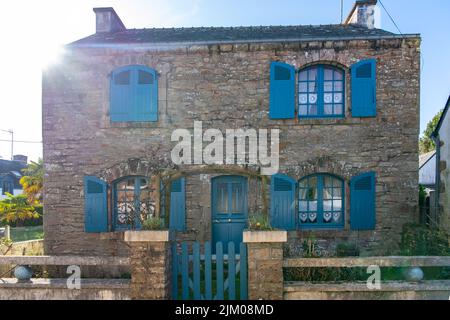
(362, 14)
(107, 20)
(20, 158)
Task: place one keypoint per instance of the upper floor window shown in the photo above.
(7, 187)
(321, 92)
(134, 94)
(320, 201)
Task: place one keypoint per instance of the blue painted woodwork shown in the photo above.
(178, 205)
(208, 271)
(321, 92)
(362, 202)
(243, 283)
(219, 271)
(321, 202)
(282, 203)
(134, 94)
(188, 265)
(364, 100)
(229, 209)
(95, 205)
(282, 91)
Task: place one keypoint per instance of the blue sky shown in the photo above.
(31, 32)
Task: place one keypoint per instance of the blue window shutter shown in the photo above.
(146, 95)
(121, 95)
(95, 205)
(134, 94)
(178, 205)
(282, 203)
(364, 88)
(362, 202)
(282, 91)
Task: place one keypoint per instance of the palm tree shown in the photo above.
(16, 208)
(33, 181)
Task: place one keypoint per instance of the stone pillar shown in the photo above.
(265, 264)
(151, 264)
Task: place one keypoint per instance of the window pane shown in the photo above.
(145, 77)
(328, 193)
(328, 86)
(312, 217)
(327, 205)
(312, 98)
(337, 183)
(328, 74)
(303, 87)
(328, 109)
(328, 98)
(222, 197)
(338, 86)
(122, 78)
(303, 98)
(337, 216)
(338, 98)
(338, 109)
(303, 205)
(303, 76)
(312, 74)
(313, 109)
(337, 205)
(327, 216)
(312, 87)
(303, 217)
(237, 198)
(303, 110)
(338, 75)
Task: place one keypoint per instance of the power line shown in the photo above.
(390, 17)
(20, 141)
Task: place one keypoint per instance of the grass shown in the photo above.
(27, 233)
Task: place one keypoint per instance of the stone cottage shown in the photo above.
(344, 97)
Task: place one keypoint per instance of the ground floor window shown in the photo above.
(133, 202)
(321, 201)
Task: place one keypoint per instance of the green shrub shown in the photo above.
(153, 223)
(419, 240)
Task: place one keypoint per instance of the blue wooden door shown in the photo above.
(229, 209)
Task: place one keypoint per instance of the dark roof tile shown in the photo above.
(232, 34)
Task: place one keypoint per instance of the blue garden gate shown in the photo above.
(200, 275)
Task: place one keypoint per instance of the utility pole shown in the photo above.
(11, 132)
(342, 11)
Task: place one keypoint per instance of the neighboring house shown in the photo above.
(427, 179)
(441, 137)
(345, 98)
(10, 174)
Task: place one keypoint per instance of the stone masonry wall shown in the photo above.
(227, 86)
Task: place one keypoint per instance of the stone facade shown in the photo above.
(227, 86)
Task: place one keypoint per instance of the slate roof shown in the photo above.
(6, 166)
(234, 34)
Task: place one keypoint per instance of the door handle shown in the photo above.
(216, 221)
(229, 220)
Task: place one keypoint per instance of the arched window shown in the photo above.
(321, 92)
(134, 94)
(321, 201)
(133, 201)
